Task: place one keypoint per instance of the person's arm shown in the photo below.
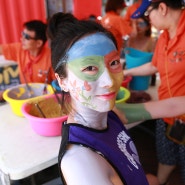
(134, 32)
(144, 70)
(169, 107)
(151, 110)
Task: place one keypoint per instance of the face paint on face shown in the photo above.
(93, 63)
(95, 80)
(92, 45)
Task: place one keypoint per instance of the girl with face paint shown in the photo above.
(95, 148)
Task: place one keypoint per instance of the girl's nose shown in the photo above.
(106, 79)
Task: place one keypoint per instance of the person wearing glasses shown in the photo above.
(96, 148)
(169, 61)
(31, 54)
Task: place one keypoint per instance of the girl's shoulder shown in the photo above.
(82, 164)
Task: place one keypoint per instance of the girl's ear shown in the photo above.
(62, 82)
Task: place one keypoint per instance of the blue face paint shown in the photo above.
(92, 45)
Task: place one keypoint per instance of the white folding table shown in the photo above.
(22, 151)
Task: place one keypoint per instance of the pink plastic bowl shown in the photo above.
(126, 81)
(44, 126)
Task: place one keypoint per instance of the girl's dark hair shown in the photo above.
(173, 4)
(114, 5)
(63, 31)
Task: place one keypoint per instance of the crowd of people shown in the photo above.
(84, 57)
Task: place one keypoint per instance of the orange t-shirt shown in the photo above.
(34, 70)
(117, 26)
(169, 58)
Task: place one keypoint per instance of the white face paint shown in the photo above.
(94, 95)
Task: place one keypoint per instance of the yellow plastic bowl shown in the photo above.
(123, 95)
(18, 95)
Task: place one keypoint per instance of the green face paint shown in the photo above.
(76, 65)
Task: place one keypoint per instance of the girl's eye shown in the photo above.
(91, 70)
(114, 64)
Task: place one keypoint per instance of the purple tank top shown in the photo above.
(113, 143)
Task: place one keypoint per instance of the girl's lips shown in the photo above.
(107, 96)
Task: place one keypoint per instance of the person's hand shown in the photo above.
(134, 28)
(152, 180)
(125, 72)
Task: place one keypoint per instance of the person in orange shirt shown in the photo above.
(31, 54)
(115, 23)
(169, 61)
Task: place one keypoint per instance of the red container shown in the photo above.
(126, 81)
